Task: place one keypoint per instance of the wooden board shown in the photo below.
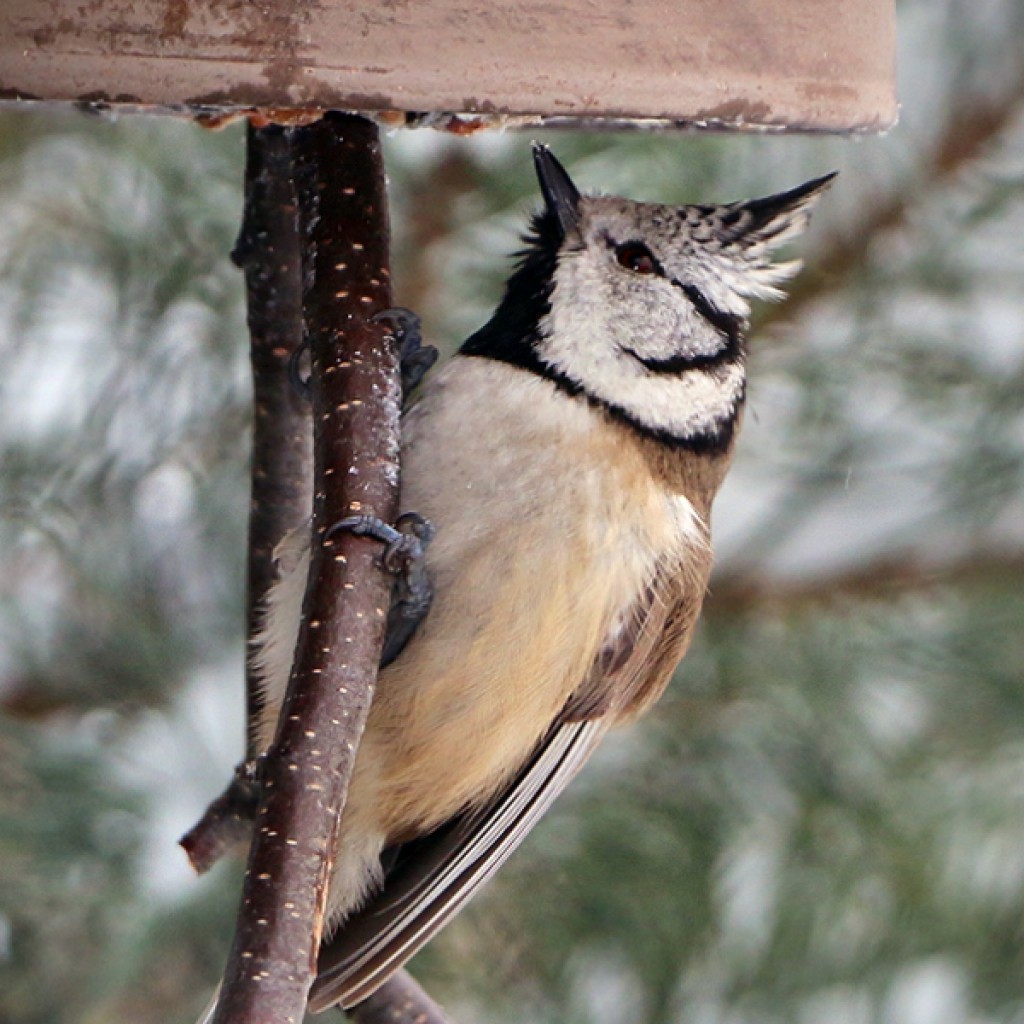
(757, 64)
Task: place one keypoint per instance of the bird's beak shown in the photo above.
(561, 196)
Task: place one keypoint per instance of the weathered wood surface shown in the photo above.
(826, 65)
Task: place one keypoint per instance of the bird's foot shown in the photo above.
(416, 358)
(404, 555)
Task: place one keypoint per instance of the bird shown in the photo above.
(567, 458)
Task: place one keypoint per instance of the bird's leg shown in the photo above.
(404, 556)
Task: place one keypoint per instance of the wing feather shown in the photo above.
(433, 877)
(438, 874)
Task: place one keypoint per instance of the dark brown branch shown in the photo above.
(269, 253)
(880, 580)
(226, 822)
(400, 1000)
(356, 403)
(282, 455)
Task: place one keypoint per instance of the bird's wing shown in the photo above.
(433, 877)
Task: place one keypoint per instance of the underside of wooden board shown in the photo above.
(746, 64)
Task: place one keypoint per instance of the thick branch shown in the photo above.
(356, 403)
(282, 455)
(268, 251)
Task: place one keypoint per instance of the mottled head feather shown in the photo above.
(640, 307)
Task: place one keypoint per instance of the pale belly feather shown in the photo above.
(547, 528)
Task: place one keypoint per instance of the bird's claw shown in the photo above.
(415, 357)
(404, 543)
(412, 592)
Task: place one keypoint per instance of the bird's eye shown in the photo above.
(637, 257)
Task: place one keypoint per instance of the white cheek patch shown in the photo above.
(692, 404)
(580, 342)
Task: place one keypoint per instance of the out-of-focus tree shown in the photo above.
(824, 819)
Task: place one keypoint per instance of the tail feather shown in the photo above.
(442, 871)
(211, 1007)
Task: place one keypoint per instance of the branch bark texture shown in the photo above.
(400, 1000)
(356, 404)
(269, 253)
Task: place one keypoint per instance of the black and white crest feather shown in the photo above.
(657, 343)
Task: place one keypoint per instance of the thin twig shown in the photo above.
(884, 579)
(400, 1000)
(356, 403)
(226, 822)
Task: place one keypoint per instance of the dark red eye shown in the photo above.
(637, 257)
